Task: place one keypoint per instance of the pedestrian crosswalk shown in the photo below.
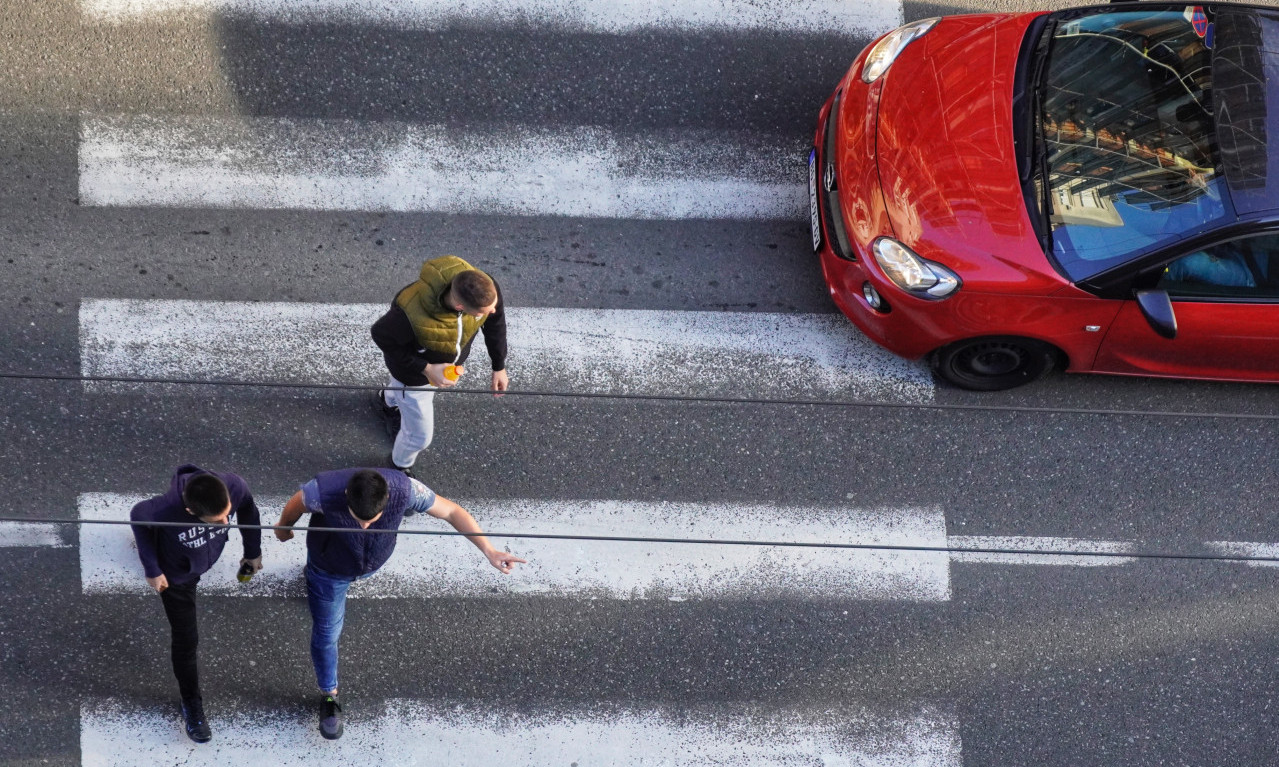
(589, 351)
(121, 731)
(463, 165)
(409, 732)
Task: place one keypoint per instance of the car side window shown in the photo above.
(1239, 269)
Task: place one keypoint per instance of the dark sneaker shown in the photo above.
(408, 472)
(330, 718)
(197, 727)
(390, 415)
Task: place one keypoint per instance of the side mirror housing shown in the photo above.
(1156, 307)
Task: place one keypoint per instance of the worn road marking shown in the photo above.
(405, 732)
(240, 162)
(597, 351)
(429, 566)
(1246, 549)
(35, 534)
(1024, 543)
(609, 16)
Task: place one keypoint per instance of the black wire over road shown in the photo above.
(1164, 555)
(933, 406)
(679, 398)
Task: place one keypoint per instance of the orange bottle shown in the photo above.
(451, 373)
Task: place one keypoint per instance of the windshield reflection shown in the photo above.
(1246, 57)
(1128, 126)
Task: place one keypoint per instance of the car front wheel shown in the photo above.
(992, 364)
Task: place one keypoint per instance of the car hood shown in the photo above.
(946, 159)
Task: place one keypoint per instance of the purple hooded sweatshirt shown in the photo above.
(182, 554)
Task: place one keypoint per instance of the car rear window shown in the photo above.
(1127, 121)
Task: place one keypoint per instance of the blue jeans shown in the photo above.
(326, 595)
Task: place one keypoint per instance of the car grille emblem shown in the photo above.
(828, 177)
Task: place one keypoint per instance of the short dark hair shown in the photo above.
(366, 494)
(474, 289)
(205, 495)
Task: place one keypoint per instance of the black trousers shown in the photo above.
(179, 606)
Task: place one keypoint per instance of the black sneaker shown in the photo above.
(407, 471)
(193, 715)
(390, 415)
(330, 718)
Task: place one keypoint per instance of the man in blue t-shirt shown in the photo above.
(359, 501)
(175, 556)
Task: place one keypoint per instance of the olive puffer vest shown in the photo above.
(438, 327)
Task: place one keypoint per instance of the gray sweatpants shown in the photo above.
(417, 421)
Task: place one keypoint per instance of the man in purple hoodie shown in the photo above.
(174, 558)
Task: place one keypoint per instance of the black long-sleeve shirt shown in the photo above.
(407, 360)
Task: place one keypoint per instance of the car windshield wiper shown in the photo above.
(1037, 168)
(1042, 172)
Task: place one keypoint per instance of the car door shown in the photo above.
(1225, 299)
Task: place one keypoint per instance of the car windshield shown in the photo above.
(1129, 149)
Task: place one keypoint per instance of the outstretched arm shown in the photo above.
(464, 523)
(293, 511)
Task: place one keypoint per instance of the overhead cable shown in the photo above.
(1164, 555)
(933, 406)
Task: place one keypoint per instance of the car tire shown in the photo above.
(994, 363)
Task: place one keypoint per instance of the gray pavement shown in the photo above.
(1150, 663)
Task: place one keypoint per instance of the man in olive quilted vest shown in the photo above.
(429, 327)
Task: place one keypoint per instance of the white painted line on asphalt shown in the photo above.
(33, 534)
(237, 162)
(596, 351)
(428, 566)
(1040, 544)
(1246, 549)
(609, 16)
(408, 732)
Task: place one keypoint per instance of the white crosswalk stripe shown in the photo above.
(35, 534)
(610, 16)
(1247, 549)
(237, 162)
(1053, 549)
(115, 734)
(431, 566)
(565, 350)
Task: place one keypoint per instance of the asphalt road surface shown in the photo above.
(223, 192)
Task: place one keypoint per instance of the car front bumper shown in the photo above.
(851, 214)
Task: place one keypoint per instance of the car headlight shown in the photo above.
(882, 55)
(911, 273)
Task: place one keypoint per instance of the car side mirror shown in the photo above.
(1156, 307)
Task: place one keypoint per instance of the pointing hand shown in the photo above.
(503, 560)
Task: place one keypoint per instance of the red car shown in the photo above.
(1095, 189)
